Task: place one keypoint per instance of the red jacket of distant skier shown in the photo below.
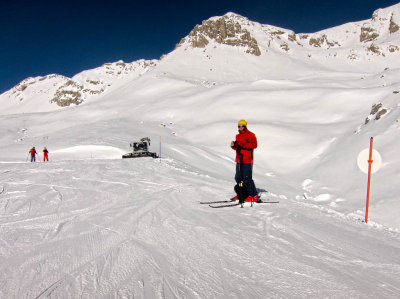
(245, 143)
(33, 152)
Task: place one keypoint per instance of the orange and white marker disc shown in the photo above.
(363, 157)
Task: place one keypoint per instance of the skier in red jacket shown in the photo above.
(45, 154)
(244, 145)
(33, 153)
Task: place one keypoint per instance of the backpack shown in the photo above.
(241, 191)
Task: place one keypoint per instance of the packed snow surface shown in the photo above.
(134, 227)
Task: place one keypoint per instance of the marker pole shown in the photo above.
(369, 178)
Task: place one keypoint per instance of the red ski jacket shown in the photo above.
(32, 152)
(245, 143)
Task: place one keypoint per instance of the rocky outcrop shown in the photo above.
(67, 94)
(393, 48)
(64, 91)
(224, 30)
(377, 111)
(368, 34)
(393, 27)
(35, 85)
(323, 39)
(95, 82)
(374, 49)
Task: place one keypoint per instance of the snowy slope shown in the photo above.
(134, 228)
(52, 92)
(89, 224)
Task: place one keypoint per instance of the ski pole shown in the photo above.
(252, 185)
(241, 184)
(160, 149)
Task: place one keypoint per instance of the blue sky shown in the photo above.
(66, 37)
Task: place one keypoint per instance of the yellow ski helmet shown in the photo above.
(242, 122)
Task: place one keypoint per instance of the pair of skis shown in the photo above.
(229, 203)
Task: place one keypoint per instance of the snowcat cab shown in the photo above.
(140, 149)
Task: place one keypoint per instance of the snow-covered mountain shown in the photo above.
(215, 49)
(50, 92)
(379, 36)
(90, 224)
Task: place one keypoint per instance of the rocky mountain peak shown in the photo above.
(226, 30)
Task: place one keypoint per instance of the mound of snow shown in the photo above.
(88, 152)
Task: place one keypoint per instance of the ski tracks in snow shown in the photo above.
(86, 225)
(134, 228)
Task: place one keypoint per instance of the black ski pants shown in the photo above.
(244, 172)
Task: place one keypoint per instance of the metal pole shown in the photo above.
(252, 185)
(369, 177)
(160, 149)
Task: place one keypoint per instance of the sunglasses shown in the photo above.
(241, 126)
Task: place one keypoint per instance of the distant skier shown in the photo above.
(33, 153)
(244, 145)
(45, 154)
